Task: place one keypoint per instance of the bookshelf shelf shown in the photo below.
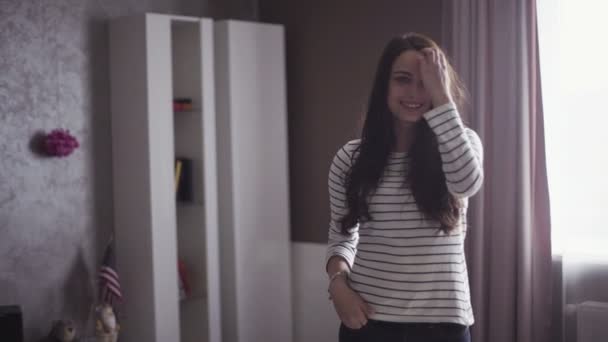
(194, 300)
(190, 205)
(181, 112)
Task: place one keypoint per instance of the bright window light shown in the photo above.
(573, 42)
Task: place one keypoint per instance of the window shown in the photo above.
(573, 36)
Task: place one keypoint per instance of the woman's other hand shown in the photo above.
(351, 308)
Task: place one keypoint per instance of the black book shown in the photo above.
(184, 191)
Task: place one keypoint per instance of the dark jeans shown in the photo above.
(378, 331)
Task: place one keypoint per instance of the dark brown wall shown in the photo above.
(332, 51)
(230, 9)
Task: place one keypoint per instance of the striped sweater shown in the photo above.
(401, 264)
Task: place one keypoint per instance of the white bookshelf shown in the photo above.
(155, 58)
(253, 182)
(239, 216)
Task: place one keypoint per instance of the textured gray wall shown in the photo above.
(56, 214)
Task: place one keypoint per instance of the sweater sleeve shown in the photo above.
(460, 148)
(341, 245)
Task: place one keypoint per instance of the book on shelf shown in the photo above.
(178, 173)
(182, 104)
(184, 281)
(183, 180)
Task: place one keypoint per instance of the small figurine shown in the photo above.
(62, 331)
(106, 326)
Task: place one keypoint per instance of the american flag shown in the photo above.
(109, 284)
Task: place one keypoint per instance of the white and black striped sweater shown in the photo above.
(401, 264)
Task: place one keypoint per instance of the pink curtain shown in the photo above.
(493, 45)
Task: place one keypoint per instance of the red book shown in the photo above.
(184, 283)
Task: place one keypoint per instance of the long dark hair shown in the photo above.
(425, 176)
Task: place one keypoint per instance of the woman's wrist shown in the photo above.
(440, 99)
(338, 280)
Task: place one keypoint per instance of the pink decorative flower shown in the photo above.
(60, 143)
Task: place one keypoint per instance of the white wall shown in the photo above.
(314, 315)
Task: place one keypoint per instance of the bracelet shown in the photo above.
(338, 274)
(334, 276)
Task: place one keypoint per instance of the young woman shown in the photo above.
(398, 199)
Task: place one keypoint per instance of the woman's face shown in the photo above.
(407, 98)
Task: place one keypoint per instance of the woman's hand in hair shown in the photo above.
(434, 75)
(350, 307)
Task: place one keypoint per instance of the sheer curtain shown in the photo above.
(493, 45)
